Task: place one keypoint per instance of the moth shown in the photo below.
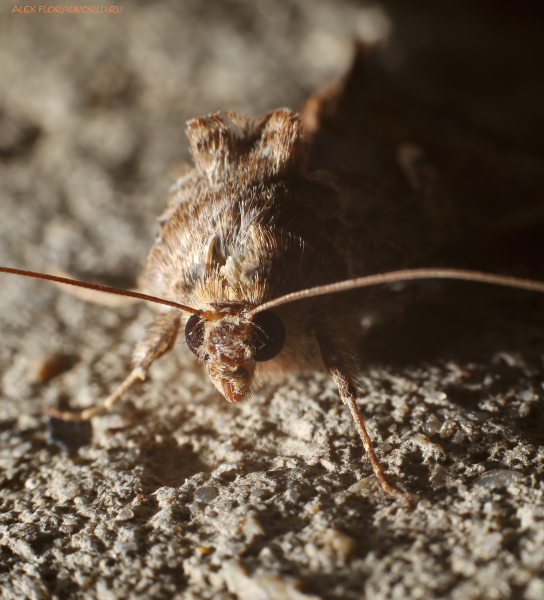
(256, 264)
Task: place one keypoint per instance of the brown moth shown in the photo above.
(249, 250)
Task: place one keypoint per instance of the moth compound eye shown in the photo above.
(269, 336)
(194, 333)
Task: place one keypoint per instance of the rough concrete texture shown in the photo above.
(179, 494)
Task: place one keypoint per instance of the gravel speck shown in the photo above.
(498, 478)
(432, 425)
(206, 494)
(447, 429)
(292, 496)
(124, 514)
(458, 438)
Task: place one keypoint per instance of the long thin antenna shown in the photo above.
(405, 275)
(100, 288)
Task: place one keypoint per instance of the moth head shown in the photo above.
(230, 145)
(231, 345)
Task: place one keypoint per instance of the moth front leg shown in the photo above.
(336, 365)
(160, 338)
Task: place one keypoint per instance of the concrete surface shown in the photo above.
(179, 494)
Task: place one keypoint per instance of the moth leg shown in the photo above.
(160, 338)
(336, 367)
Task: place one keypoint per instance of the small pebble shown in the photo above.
(206, 494)
(498, 478)
(258, 494)
(312, 508)
(478, 416)
(252, 527)
(432, 425)
(524, 410)
(436, 397)
(82, 580)
(124, 547)
(227, 468)
(447, 429)
(124, 514)
(458, 438)
(21, 449)
(82, 501)
(292, 496)
(32, 483)
(325, 489)
(489, 546)
(329, 465)
(366, 486)
(195, 508)
(340, 543)
(69, 491)
(492, 508)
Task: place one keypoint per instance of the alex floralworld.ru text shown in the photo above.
(67, 9)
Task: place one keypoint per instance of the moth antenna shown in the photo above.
(100, 288)
(404, 275)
